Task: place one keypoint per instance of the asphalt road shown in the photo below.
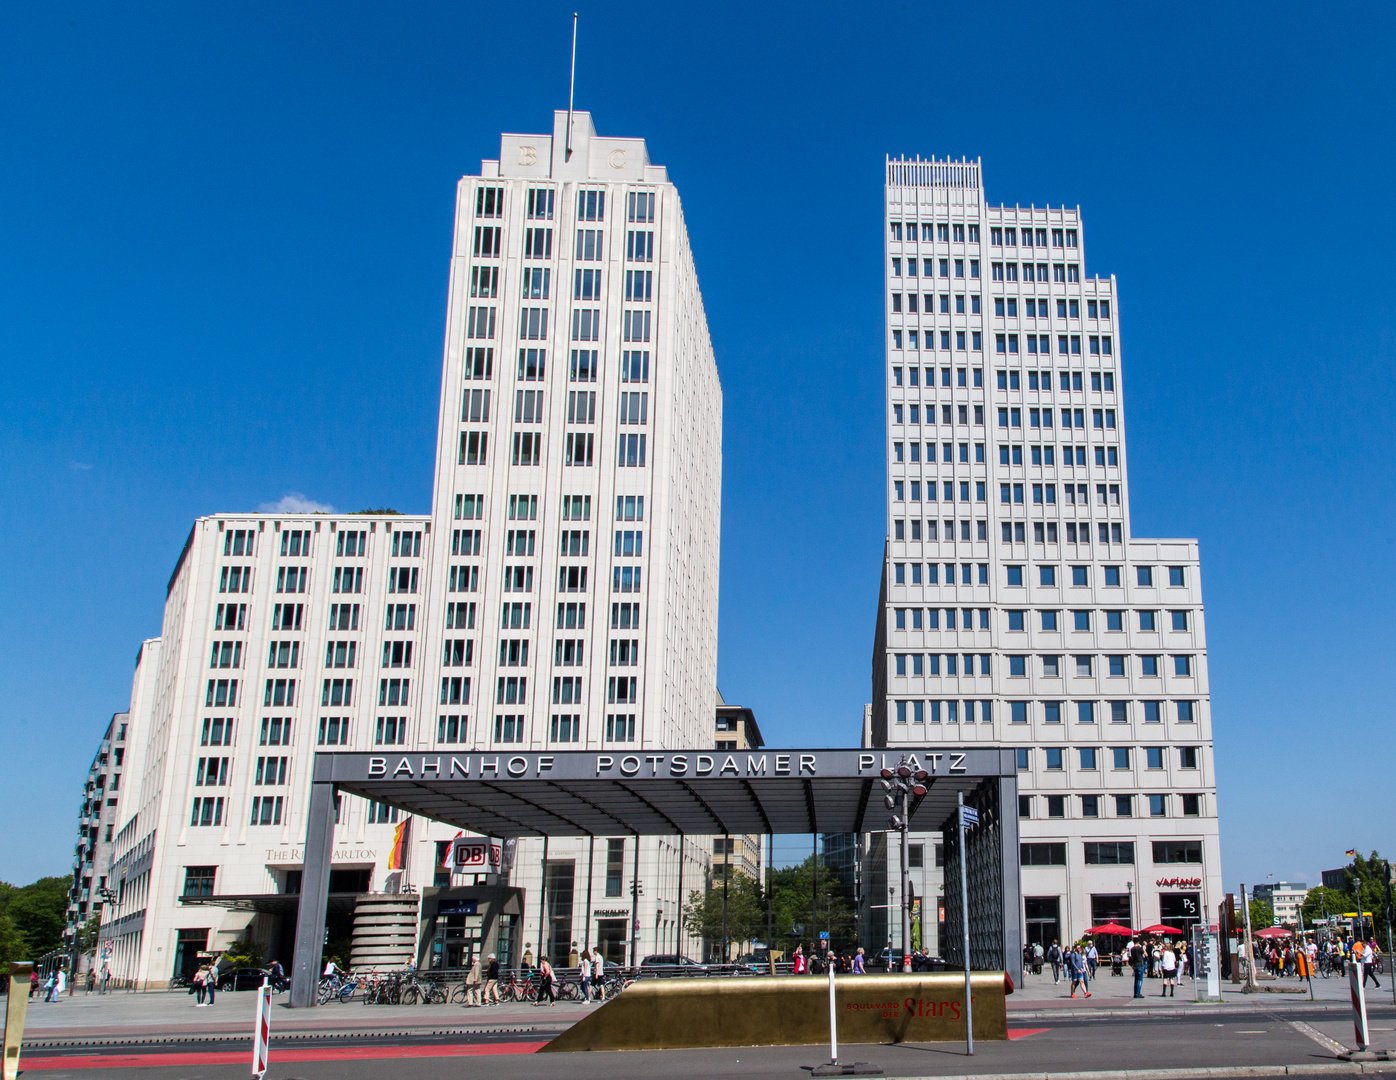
(1263, 1037)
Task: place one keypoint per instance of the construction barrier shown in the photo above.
(16, 1005)
(667, 1014)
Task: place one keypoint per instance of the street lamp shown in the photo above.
(900, 785)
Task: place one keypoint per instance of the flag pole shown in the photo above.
(571, 88)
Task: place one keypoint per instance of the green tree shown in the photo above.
(39, 913)
(1262, 914)
(1366, 891)
(746, 912)
(798, 907)
(11, 943)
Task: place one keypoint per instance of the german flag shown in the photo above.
(1352, 852)
(402, 836)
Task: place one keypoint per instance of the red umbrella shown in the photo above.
(1273, 932)
(1110, 928)
(1160, 929)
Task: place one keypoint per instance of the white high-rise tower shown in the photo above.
(1016, 606)
(562, 594)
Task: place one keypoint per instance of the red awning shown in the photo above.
(1160, 929)
(1110, 928)
(1273, 932)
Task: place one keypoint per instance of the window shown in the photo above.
(1152, 712)
(1180, 619)
(1187, 757)
(1087, 756)
(334, 731)
(1110, 853)
(1114, 620)
(1146, 621)
(1015, 575)
(1054, 758)
(1169, 852)
(1182, 665)
(1056, 808)
(1040, 854)
(1049, 621)
(1018, 714)
(1085, 712)
(1192, 805)
(390, 731)
(266, 809)
(1080, 620)
(1175, 576)
(1158, 807)
(1145, 575)
(1187, 712)
(1017, 666)
(1116, 666)
(1153, 757)
(1047, 575)
(1090, 806)
(198, 880)
(207, 811)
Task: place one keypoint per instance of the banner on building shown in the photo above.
(402, 836)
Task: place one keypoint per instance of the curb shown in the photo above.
(1337, 1068)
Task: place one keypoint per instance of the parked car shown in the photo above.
(243, 978)
(671, 964)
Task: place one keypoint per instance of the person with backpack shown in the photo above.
(1138, 961)
(1054, 957)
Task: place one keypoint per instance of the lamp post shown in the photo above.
(899, 785)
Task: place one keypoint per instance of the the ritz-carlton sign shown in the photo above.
(668, 766)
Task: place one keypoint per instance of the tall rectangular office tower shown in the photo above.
(1017, 608)
(579, 456)
(561, 595)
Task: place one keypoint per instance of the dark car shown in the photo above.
(671, 964)
(243, 978)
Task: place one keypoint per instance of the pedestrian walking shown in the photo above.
(491, 995)
(1054, 957)
(598, 971)
(1369, 964)
(200, 987)
(1168, 963)
(1079, 970)
(1092, 957)
(472, 982)
(34, 983)
(1037, 955)
(50, 986)
(859, 965)
(584, 971)
(1137, 964)
(545, 981)
(798, 966)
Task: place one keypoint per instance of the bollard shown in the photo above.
(261, 1034)
(1359, 1004)
(833, 1021)
(15, 1009)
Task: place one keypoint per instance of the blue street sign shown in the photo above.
(969, 816)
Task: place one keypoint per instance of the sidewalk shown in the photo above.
(1116, 992)
(164, 1016)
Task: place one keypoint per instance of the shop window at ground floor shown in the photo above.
(613, 939)
(1110, 907)
(561, 876)
(458, 936)
(188, 946)
(1182, 911)
(1043, 919)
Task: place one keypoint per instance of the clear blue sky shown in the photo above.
(224, 233)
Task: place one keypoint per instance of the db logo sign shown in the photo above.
(477, 855)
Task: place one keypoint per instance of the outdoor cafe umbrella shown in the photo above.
(1273, 932)
(1110, 928)
(1160, 929)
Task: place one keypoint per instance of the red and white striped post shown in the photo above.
(261, 1035)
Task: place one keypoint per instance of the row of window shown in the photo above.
(1049, 620)
(1072, 456)
(1115, 852)
(1092, 806)
(1101, 419)
(1083, 666)
(1092, 758)
(913, 339)
(528, 448)
(935, 231)
(931, 266)
(1047, 712)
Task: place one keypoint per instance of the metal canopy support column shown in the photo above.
(635, 907)
(315, 889)
(1011, 875)
(591, 876)
(679, 949)
(542, 907)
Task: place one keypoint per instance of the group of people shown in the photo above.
(1302, 958)
(811, 964)
(1145, 958)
